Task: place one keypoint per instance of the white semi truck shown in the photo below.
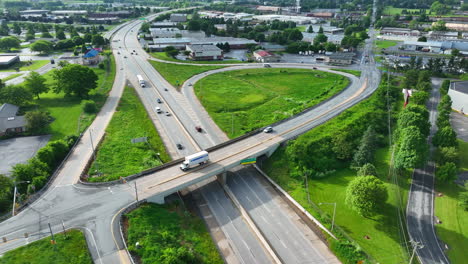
(194, 159)
(141, 81)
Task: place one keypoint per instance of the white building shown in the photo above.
(458, 92)
(204, 52)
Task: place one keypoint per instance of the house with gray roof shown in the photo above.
(10, 122)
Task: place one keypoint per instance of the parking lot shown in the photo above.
(19, 150)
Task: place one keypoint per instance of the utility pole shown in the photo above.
(334, 213)
(64, 232)
(52, 241)
(136, 191)
(416, 245)
(14, 196)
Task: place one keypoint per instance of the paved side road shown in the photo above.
(420, 208)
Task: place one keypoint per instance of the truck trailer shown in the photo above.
(194, 160)
(141, 81)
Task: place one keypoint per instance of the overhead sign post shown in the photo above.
(248, 161)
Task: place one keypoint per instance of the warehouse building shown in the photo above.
(458, 92)
(204, 52)
(8, 60)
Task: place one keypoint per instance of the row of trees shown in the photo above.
(445, 139)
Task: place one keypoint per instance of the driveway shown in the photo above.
(19, 150)
(460, 125)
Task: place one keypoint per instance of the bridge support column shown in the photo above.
(222, 178)
(158, 199)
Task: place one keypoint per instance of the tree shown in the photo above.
(89, 106)
(445, 137)
(422, 39)
(171, 51)
(60, 35)
(16, 29)
(455, 52)
(365, 194)
(439, 26)
(342, 145)
(411, 150)
(97, 40)
(75, 79)
(447, 154)
(367, 169)
(415, 115)
(37, 121)
(193, 25)
(78, 41)
(15, 94)
(366, 149)
(35, 83)
(463, 198)
(8, 43)
(6, 186)
(419, 97)
(447, 172)
(320, 38)
(310, 29)
(320, 31)
(42, 46)
(439, 8)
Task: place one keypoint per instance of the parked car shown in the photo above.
(268, 130)
(158, 100)
(179, 146)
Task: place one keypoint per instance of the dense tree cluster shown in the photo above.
(365, 194)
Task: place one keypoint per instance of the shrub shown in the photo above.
(445, 137)
(89, 106)
(367, 169)
(365, 194)
(101, 65)
(347, 252)
(447, 172)
(37, 121)
(447, 154)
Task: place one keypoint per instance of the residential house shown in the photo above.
(10, 122)
(204, 52)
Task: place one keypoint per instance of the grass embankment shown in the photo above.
(175, 233)
(163, 56)
(454, 219)
(353, 72)
(70, 249)
(177, 74)
(69, 119)
(243, 100)
(12, 76)
(378, 236)
(23, 66)
(117, 156)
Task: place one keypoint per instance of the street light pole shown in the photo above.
(14, 196)
(94, 151)
(334, 213)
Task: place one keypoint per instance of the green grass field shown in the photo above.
(453, 229)
(243, 100)
(463, 154)
(353, 72)
(117, 156)
(69, 118)
(36, 64)
(163, 231)
(384, 243)
(12, 76)
(163, 56)
(383, 44)
(177, 74)
(70, 249)
(390, 10)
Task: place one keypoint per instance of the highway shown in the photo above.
(420, 208)
(93, 209)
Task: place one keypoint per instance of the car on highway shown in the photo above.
(158, 100)
(314, 68)
(268, 130)
(179, 146)
(125, 57)
(158, 110)
(266, 65)
(118, 52)
(167, 113)
(165, 89)
(198, 128)
(190, 84)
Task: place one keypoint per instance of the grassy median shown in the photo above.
(177, 74)
(243, 100)
(71, 249)
(117, 156)
(169, 232)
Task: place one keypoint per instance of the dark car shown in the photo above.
(314, 68)
(179, 146)
(158, 100)
(198, 128)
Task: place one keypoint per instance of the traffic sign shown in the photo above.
(248, 161)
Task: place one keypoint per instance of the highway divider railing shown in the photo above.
(84, 177)
(32, 198)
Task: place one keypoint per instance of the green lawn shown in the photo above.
(117, 156)
(302, 28)
(12, 76)
(384, 243)
(36, 64)
(163, 56)
(69, 118)
(243, 100)
(390, 10)
(177, 74)
(353, 72)
(453, 229)
(383, 44)
(70, 249)
(165, 231)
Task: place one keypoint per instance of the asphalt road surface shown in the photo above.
(420, 208)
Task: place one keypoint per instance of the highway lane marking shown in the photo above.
(95, 244)
(359, 92)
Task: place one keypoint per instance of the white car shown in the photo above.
(268, 130)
